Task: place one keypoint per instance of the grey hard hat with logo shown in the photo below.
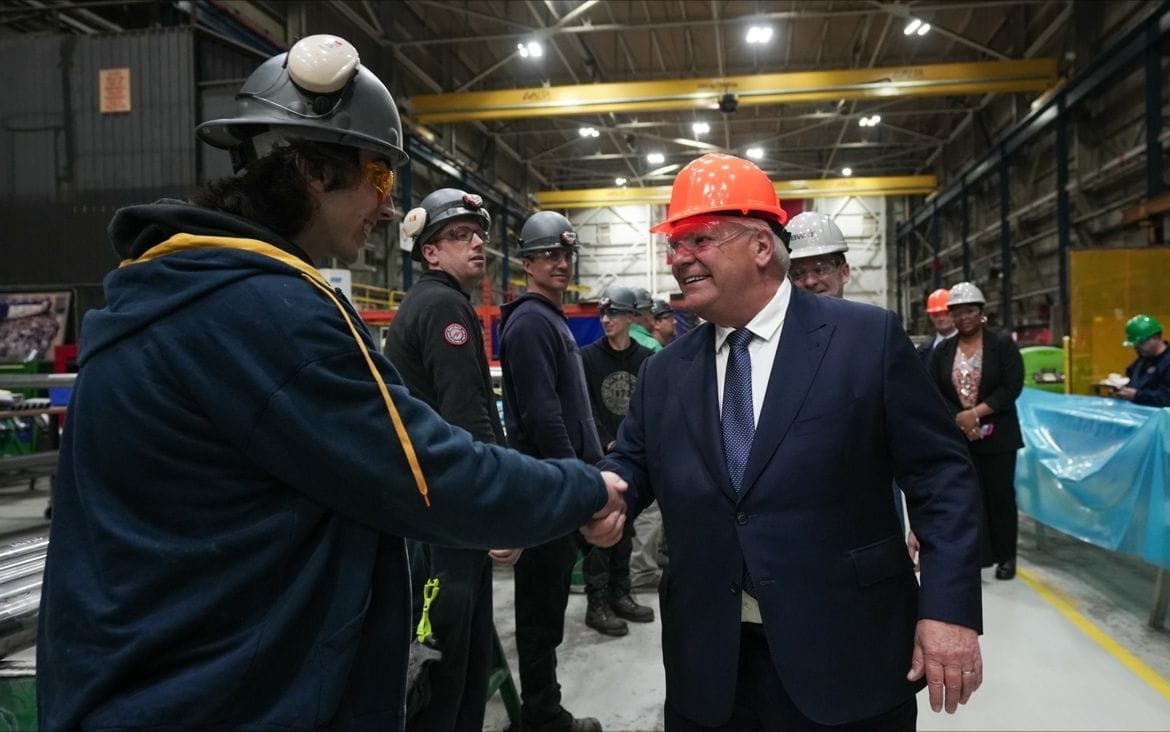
(545, 230)
(661, 308)
(436, 209)
(644, 299)
(319, 91)
(814, 234)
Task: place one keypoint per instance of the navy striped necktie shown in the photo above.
(739, 425)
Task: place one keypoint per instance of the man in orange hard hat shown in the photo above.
(789, 601)
(940, 318)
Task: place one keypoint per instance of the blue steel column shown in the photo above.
(936, 248)
(504, 275)
(1153, 121)
(404, 205)
(1005, 239)
(965, 234)
(1063, 231)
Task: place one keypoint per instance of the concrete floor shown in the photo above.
(1066, 644)
(1095, 666)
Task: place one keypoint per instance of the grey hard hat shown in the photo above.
(644, 299)
(546, 230)
(661, 308)
(319, 91)
(619, 299)
(435, 210)
(965, 293)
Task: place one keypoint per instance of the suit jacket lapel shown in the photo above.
(803, 343)
(698, 379)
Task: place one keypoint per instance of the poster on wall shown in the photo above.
(31, 324)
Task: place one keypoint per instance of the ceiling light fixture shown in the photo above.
(532, 48)
(755, 153)
(759, 34)
(912, 26)
(869, 121)
(701, 128)
(589, 132)
(619, 181)
(846, 172)
(655, 158)
(924, 29)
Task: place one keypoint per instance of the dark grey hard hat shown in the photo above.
(546, 230)
(619, 299)
(436, 209)
(644, 300)
(355, 109)
(660, 308)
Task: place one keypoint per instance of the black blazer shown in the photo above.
(848, 408)
(1001, 384)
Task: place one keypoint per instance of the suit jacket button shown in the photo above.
(741, 518)
(734, 589)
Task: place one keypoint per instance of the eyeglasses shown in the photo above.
(818, 270)
(557, 255)
(608, 312)
(464, 234)
(702, 236)
(380, 176)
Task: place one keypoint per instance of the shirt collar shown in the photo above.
(766, 324)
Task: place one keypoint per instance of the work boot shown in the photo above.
(1005, 570)
(599, 617)
(562, 722)
(625, 607)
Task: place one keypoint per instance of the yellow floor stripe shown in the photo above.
(1130, 661)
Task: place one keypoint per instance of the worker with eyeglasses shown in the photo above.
(436, 342)
(241, 465)
(818, 254)
(547, 414)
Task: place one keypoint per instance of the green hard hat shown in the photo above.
(1139, 328)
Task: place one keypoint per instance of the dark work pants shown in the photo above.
(542, 594)
(607, 570)
(761, 703)
(461, 621)
(997, 481)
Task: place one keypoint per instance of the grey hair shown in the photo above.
(779, 251)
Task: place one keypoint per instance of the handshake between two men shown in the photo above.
(605, 529)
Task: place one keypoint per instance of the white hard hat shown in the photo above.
(965, 293)
(814, 234)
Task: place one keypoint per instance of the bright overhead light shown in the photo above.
(701, 128)
(589, 132)
(755, 153)
(759, 34)
(532, 48)
(846, 172)
(522, 50)
(870, 121)
(924, 29)
(655, 158)
(863, 122)
(619, 181)
(912, 26)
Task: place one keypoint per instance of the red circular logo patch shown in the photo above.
(455, 334)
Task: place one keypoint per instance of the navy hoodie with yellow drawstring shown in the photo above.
(238, 468)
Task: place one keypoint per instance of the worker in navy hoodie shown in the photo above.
(241, 465)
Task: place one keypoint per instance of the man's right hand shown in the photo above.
(606, 527)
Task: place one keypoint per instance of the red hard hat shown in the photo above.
(718, 183)
(937, 302)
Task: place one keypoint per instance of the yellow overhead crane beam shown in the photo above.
(978, 77)
(893, 185)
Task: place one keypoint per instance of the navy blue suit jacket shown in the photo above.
(849, 408)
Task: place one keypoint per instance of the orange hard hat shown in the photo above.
(937, 302)
(721, 183)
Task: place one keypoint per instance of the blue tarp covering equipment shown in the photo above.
(1097, 468)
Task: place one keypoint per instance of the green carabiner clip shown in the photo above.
(430, 592)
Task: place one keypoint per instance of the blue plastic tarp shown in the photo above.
(1096, 468)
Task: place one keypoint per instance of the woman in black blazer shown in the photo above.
(980, 374)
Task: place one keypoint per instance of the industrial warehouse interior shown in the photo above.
(1015, 150)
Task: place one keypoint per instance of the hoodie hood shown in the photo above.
(206, 251)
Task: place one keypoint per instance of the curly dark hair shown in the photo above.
(274, 192)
